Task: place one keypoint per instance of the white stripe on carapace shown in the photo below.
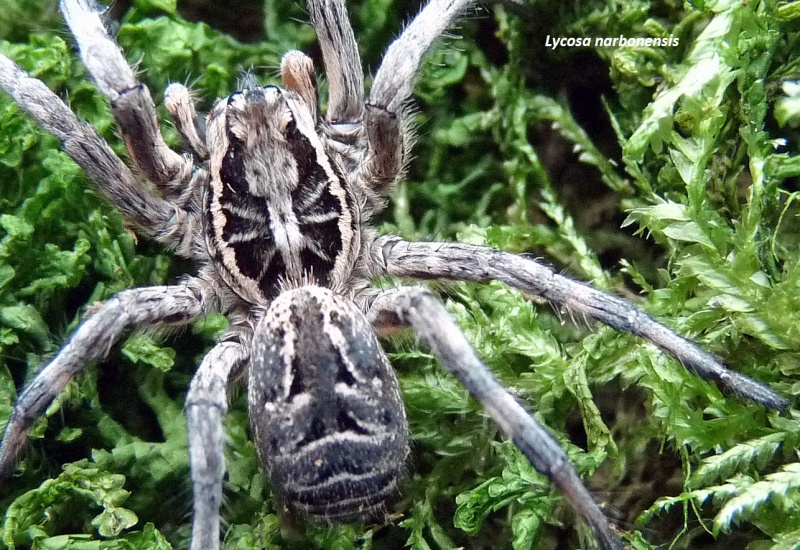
(274, 181)
(348, 227)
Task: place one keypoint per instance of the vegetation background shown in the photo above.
(668, 175)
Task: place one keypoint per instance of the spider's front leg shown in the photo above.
(395, 79)
(131, 103)
(166, 222)
(342, 62)
(463, 262)
(419, 309)
(130, 309)
(386, 120)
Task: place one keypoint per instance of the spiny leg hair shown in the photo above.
(463, 262)
(179, 102)
(386, 120)
(394, 81)
(206, 406)
(131, 103)
(156, 217)
(342, 62)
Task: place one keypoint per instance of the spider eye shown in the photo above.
(288, 126)
(346, 128)
(233, 98)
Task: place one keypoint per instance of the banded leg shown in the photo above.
(130, 309)
(165, 222)
(206, 406)
(342, 62)
(131, 103)
(386, 118)
(463, 262)
(432, 324)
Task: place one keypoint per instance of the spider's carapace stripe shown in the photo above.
(279, 213)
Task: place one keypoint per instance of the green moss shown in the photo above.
(666, 174)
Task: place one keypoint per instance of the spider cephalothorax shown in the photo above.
(272, 200)
(277, 208)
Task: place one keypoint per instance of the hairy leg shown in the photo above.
(206, 406)
(463, 262)
(131, 103)
(386, 119)
(297, 74)
(395, 79)
(130, 309)
(420, 310)
(165, 222)
(342, 62)
(179, 102)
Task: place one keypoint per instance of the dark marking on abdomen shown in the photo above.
(325, 408)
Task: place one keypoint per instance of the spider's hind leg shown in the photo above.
(465, 262)
(429, 319)
(206, 405)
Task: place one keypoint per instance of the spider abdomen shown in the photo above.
(325, 408)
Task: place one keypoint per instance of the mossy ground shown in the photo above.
(667, 175)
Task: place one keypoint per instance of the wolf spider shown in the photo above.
(272, 199)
